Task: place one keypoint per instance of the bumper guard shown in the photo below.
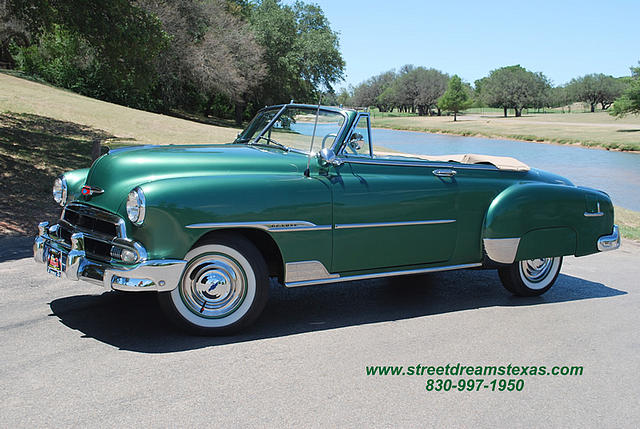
(148, 275)
(609, 242)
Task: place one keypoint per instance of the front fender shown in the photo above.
(534, 220)
(174, 204)
(75, 180)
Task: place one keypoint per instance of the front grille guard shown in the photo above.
(101, 230)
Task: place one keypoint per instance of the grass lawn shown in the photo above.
(588, 129)
(123, 124)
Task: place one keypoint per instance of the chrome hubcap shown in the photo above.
(213, 286)
(536, 270)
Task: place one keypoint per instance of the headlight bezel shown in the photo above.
(136, 206)
(60, 195)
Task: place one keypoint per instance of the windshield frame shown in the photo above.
(312, 109)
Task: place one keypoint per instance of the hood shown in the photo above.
(121, 170)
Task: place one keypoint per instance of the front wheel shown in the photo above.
(224, 288)
(532, 277)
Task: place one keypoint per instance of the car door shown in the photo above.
(389, 212)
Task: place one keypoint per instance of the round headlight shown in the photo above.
(60, 191)
(136, 206)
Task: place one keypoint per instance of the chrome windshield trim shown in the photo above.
(400, 163)
(388, 224)
(302, 106)
(271, 226)
(352, 128)
(271, 122)
(379, 275)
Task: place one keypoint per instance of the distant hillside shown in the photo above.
(127, 125)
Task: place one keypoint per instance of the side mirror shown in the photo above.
(327, 157)
(356, 137)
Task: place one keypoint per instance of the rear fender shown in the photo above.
(535, 220)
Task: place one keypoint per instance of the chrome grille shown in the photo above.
(93, 221)
(100, 228)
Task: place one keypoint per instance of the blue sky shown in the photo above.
(562, 39)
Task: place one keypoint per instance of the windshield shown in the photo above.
(294, 128)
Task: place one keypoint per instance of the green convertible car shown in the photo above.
(302, 195)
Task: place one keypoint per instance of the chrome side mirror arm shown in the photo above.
(327, 157)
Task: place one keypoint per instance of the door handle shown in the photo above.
(444, 173)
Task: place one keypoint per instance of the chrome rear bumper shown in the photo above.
(609, 242)
(157, 275)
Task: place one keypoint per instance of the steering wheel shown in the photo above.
(334, 135)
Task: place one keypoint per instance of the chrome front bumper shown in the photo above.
(149, 275)
(609, 242)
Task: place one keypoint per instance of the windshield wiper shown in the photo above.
(270, 140)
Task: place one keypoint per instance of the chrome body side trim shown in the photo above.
(401, 163)
(305, 271)
(271, 226)
(388, 224)
(379, 275)
(502, 250)
(610, 242)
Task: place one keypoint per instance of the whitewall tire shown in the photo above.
(224, 287)
(531, 277)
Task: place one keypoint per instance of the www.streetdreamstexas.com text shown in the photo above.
(473, 377)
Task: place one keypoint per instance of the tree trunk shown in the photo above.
(505, 112)
(518, 112)
(239, 112)
(439, 112)
(455, 117)
(593, 107)
(95, 149)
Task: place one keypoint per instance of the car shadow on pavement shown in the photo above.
(135, 322)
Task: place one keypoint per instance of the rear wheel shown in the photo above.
(532, 277)
(223, 288)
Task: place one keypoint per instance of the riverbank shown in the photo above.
(594, 130)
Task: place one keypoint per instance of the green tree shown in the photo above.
(514, 87)
(431, 84)
(596, 88)
(124, 38)
(629, 101)
(301, 51)
(368, 93)
(213, 63)
(456, 97)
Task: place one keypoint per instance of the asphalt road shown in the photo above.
(75, 355)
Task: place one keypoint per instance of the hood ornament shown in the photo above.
(88, 191)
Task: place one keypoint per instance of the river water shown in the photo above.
(616, 173)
